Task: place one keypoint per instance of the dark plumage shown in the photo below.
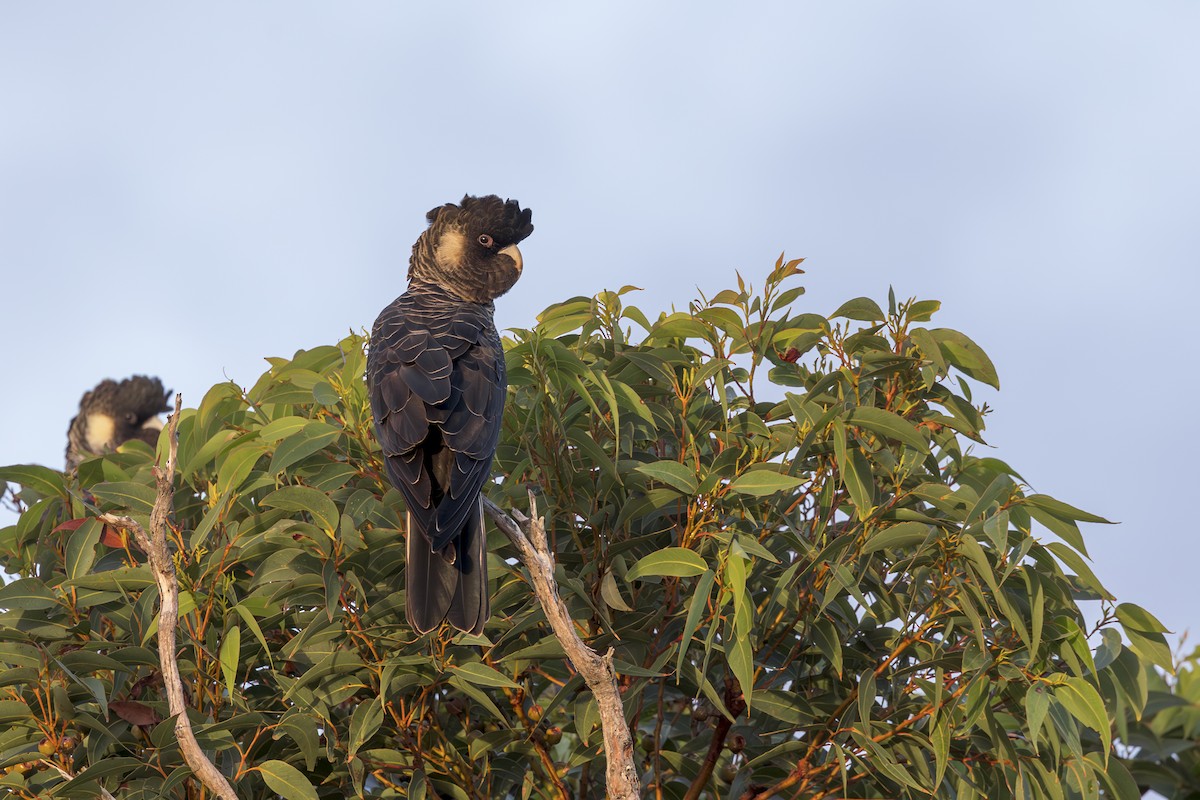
(436, 376)
(113, 413)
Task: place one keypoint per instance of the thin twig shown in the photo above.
(735, 704)
(155, 546)
(104, 793)
(528, 535)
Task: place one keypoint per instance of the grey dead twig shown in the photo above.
(154, 544)
(528, 535)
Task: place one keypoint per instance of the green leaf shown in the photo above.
(1118, 781)
(738, 652)
(304, 498)
(885, 423)
(236, 465)
(1137, 618)
(325, 394)
(1083, 701)
(860, 308)
(764, 482)
(824, 635)
(855, 472)
(1037, 703)
(228, 656)
(1131, 678)
(695, 609)
(672, 473)
(14, 711)
(333, 589)
(313, 437)
(587, 715)
(939, 737)
(43, 480)
(782, 706)
(566, 316)
(928, 345)
(104, 768)
(922, 311)
(478, 695)
(27, 593)
(301, 729)
(901, 535)
(882, 760)
(866, 698)
(482, 675)
(611, 593)
(281, 428)
(135, 497)
(1075, 561)
(678, 562)
(288, 781)
(418, 786)
(1063, 510)
(81, 548)
(364, 722)
(252, 624)
(966, 355)
(1144, 632)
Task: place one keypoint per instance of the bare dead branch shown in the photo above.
(528, 535)
(163, 567)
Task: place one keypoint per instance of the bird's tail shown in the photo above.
(442, 588)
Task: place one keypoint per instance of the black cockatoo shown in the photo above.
(436, 375)
(113, 413)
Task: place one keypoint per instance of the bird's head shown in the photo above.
(470, 249)
(117, 412)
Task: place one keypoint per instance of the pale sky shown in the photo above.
(185, 190)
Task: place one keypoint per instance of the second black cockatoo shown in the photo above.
(435, 370)
(113, 413)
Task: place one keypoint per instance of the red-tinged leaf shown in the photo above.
(70, 525)
(134, 713)
(113, 537)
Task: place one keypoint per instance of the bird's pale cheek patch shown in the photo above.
(450, 249)
(101, 429)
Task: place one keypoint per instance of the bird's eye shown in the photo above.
(485, 240)
(131, 417)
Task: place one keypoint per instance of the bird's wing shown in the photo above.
(437, 386)
(470, 422)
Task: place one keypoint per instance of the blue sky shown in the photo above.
(185, 190)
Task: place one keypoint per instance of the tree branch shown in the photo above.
(528, 535)
(163, 567)
(735, 704)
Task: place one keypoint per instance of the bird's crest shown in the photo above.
(503, 219)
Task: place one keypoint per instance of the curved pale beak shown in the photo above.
(512, 252)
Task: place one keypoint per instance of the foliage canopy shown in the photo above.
(813, 585)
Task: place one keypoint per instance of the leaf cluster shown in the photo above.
(812, 584)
